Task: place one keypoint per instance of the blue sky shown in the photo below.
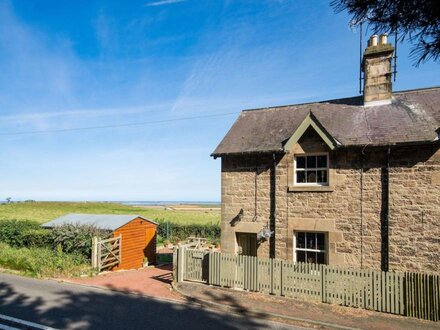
(68, 64)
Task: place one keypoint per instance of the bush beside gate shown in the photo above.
(410, 294)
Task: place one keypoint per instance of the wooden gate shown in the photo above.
(106, 253)
(196, 266)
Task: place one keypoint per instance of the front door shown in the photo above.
(247, 244)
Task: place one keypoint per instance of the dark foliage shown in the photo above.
(17, 233)
(182, 232)
(75, 238)
(37, 238)
(419, 20)
(71, 238)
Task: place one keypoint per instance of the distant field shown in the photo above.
(46, 211)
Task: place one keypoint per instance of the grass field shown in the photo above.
(46, 211)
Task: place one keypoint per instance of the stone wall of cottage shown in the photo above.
(415, 209)
(348, 210)
(245, 185)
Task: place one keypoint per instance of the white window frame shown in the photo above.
(310, 250)
(316, 169)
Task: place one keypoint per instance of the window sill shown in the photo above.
(311, 188)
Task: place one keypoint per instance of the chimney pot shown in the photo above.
(383, 39)
(373, 40)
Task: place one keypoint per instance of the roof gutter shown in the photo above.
(247, 153)
(338, 145)
(395, 144)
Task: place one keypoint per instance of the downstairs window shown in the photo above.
(310, 247)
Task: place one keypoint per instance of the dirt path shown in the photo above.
(148, 281)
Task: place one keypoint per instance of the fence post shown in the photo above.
(95, 252)
(323, 284)
(209, 268)
(271, 276)
(282, 278)
(175, 265)
(120, 249)
(98, 256)
(180, 263)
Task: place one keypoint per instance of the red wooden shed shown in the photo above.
(138, 242)
(138, 235)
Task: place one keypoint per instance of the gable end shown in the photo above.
(311, 121)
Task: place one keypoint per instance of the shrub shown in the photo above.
(43, 262)
(76, 238)
(37, 238)
(175, 240)
(182, 232)
(13, 232)
(72, 238)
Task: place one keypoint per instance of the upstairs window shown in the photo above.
(311, 169)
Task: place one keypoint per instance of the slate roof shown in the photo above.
(102, 221)
(412, 117)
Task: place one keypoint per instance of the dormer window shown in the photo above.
(311, 169)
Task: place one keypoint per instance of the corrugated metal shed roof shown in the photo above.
(102, 221)
(412, 117)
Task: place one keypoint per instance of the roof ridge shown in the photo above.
(416, 89)
(276, 107)
(297, 104)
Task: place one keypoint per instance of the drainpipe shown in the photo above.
(256, 191)
(385, 212)
(362, 206)
(273, 188)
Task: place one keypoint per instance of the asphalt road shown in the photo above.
(70, 306)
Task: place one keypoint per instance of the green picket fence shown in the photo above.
(422, 296)
(410, 294)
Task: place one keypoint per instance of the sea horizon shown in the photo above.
(133, 203)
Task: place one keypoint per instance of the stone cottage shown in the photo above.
(353, 181)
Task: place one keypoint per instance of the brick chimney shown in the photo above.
(377, 71)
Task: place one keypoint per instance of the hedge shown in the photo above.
(75, 238)
(78, 238)
(179, 232)
(43, 262)
(17, 233)
(71, 238)
(37, 238)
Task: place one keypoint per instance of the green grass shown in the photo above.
(42, 262)
(46, 211)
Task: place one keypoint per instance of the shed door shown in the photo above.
(150, 244)
(247, 244)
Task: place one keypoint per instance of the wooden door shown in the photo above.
(150, 244)
(247, 244)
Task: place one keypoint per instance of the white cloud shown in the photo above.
(163, 3)
(32, 117)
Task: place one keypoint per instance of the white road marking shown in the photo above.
(21, 322)
(5, 327)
